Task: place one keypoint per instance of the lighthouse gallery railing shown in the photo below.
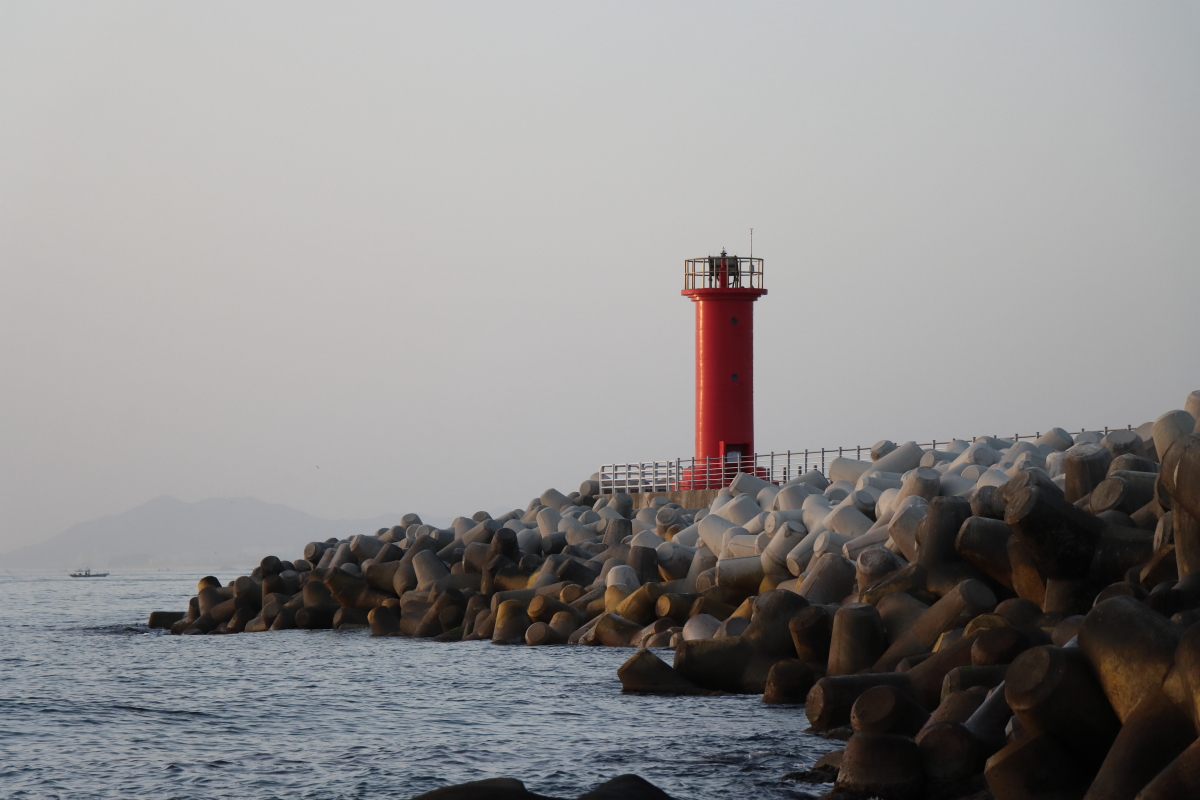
(722, 272)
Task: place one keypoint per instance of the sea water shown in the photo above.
(93, 707)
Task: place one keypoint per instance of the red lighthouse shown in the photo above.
(724, 289)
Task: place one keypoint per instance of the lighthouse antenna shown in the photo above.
(752, 242)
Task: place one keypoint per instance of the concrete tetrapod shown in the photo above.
(1060, 537)
(857, 640)
(789, 681)
(613, 630)
(740, 574)
(964, 602)
(956, 707)
(938, 529)
(1123, 491)
(1187, 663)
(1033, 766)
(785, 538)
(741, 664)
(829, 580)
(565, 624)
(898, 612)
(812, 631)
(646, 673)
(881, 765)
(1170, 427)
(512, 620)
(383, 622)
(874, 564)
(1086, 465)
(912, 578)
(929, 676)
(1152, 735)
(953, 750)
(1052, 690)
(1181, 474)
(999, 646)
(1028, 580)
(1131, 650)
(902, 528)
(831, 700)
(983, 542)
(675, 606)
(1178, 780)
(700, 626)
(541, 633)
(353, 592)
(887, 709)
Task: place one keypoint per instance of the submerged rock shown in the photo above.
(622, 787)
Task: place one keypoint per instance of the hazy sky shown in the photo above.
(372, 257)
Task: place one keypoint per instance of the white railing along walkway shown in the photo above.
(713, 473)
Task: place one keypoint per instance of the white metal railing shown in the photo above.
(713, 473)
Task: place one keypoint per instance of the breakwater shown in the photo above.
(1012, 617)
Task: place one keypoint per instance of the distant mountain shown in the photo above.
(165, 533)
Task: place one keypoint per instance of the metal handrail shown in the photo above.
(714, 473)
(722, 272)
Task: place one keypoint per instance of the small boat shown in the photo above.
(87, 573)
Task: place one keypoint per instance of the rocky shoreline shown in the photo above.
(997, 618)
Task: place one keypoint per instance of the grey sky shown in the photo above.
(358, 258)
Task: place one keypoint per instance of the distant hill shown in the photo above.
(165, 533)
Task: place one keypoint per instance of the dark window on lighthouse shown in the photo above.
(734, 321)
(735, 376)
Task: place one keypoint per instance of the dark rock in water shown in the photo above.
(825, 774)
(831, 760)
(490, 789)
(165, 619)
(841, 734)
(622, 787)
(452, 635)
(626, 787)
